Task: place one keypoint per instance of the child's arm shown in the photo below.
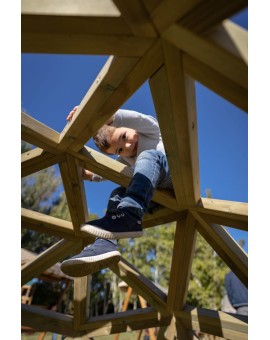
(71, 114)
(87, 175)
(144, 124)
(90, 176)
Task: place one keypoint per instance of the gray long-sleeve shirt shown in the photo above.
(149, 136)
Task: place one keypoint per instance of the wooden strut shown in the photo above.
(143, 305)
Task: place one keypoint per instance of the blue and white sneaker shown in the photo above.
(116, 225)
(99, 255)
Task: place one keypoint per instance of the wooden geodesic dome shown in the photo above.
(171, 44)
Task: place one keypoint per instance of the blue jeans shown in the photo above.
(151, 171)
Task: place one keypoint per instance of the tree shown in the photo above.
(39, 192)
(42, 192)
(152, 255)
(206, 286)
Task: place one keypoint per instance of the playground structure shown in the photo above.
(171, 44)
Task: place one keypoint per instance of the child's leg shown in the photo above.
(118, 193)
(115, 198)
(99, 255)
(151, 170)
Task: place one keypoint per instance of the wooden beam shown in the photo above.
(125, 306)
(60, 228)
(170, 11)
(83, 43)
(162, 215)
(198, 15)
(81, 300)
(209, 53)
(38, 134)
(237, 208)
(229, 213)
(47, 224)
(150, 5)
(41, 319)
(210, 13)
(37, 159)
(176, 330)
(48, 258)
(174, 98)
(232, 37)
(167, 332)
(215, 81)
(182, 332)
(124, 322)
(51, 225)
(119, 173)
(183, 252)
(225, 219)
(68, 7)
(136, 17)
(78, 188)
(226, 247)
(86, 117)
(75, 193)
(132, 78)
(225, 325)
(74, 24)
(79, 28)
(141, 285)
(103, 165)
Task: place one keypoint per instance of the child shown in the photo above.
(137, 141)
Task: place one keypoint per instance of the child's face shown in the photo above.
(124, 142)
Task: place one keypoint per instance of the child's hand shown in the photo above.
(71, 113)
(87, 175)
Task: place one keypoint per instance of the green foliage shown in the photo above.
(59, 208)
(152, 253)
(38, 189)
(41, 192)
(206, 287)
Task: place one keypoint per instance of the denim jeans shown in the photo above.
(151, 171)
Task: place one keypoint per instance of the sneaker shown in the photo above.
(115, 225)
(99, 255)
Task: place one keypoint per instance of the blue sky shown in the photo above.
(51, 85)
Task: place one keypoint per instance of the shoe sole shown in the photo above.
(98, 232)
(89, 265)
